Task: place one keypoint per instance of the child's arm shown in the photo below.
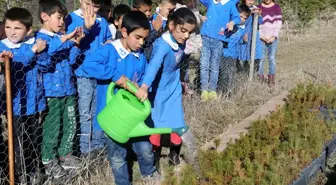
(155, 63)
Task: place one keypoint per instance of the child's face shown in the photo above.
(165, 8)
(136, 39)
(146, 10)
(243, 17)
(267, 1)
(54, 22)
(16, 31)
(249, 3)
(181, 32)
(85, 4)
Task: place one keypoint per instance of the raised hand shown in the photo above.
(39, 46)
(230, 26)
(79, 36)
(89, 17)
(157, 23)
(71, 35)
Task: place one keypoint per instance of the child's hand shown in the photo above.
(264, 39)
(230, 26)
(204, 18)
(71, 35)
(121, 82)
(89, 17)
(257, 11)
(157, 23)
(3, 54)
(245, 38)
(271, 40)
(142, 93)
(79, 36)
(39, 46)
(136, 84)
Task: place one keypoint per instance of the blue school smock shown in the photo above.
(58, 78)
(108, 64)
(94, 38)
(27, 84)
(245, 49)
(234, 40)
(163, 76)
(218, 15)
(164, 20)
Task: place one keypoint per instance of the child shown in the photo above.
(27, 89)
(231, 51)
(145, 6)
(96, 34)
(60, 89)
(163, 10)
(118, 14)
(163, 76)
(220, 15)
(245, 49)
(269, 34)
(105, 11)
(124, 56)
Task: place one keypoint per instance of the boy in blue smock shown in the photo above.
(123, 57)
(145, 6)
(59, 85)
(221, 15)
(96, 34)
(233, 40)
(27, 89)
(245, 49)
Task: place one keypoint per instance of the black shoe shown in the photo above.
(174, 155)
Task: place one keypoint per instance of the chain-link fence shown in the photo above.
(36, 120)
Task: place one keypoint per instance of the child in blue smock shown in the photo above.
(97, 33)
(163, 10)
(59, 85)
(123, 57)
(233, 40)
(163, 77)
(27, 90)
(245, 49)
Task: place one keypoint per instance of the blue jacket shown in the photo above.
(245, 50)
(27, 87)
(108, 64)
(218, 15)
(94, 38)
(58, 78)
(234, 41)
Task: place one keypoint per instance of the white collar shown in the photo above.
(242, 26)
(122, 51)
(11, 45)
(79, 12)
(222, 1)
(49, 33)
(167, 37)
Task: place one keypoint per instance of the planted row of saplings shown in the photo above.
(277, 148)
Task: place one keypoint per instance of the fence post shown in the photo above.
(253, 47)
(9, 119)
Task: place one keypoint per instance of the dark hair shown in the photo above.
(182, 16)
(139, 3)
(134, 20)
(19, 14)
(244, 9)
(98, 2)
(50, 7)
(119, 11)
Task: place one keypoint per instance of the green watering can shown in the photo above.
(124, 115)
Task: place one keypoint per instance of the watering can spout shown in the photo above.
(143, 130)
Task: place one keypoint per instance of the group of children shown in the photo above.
(56, 71)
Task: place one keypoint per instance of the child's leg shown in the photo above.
(69, 129)
(116, 154)
(231, 68)
(35, 140)
(20, 141)
(51, 130)
(215, 58)
(85, 97)
(205, 63)
(222, 80)
(272, 48)
(145, 155)
(261, 64)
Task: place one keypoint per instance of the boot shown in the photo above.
(157, 155)
(261, 78)
(271, 81)
(174, 155)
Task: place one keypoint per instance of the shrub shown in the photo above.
(276, 148)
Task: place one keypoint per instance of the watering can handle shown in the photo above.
(110, 90)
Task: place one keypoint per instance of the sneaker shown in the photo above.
(154, 178)
(70, 162)
(54, 169)
(204, 96)
(212, 95)
(174, 155)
